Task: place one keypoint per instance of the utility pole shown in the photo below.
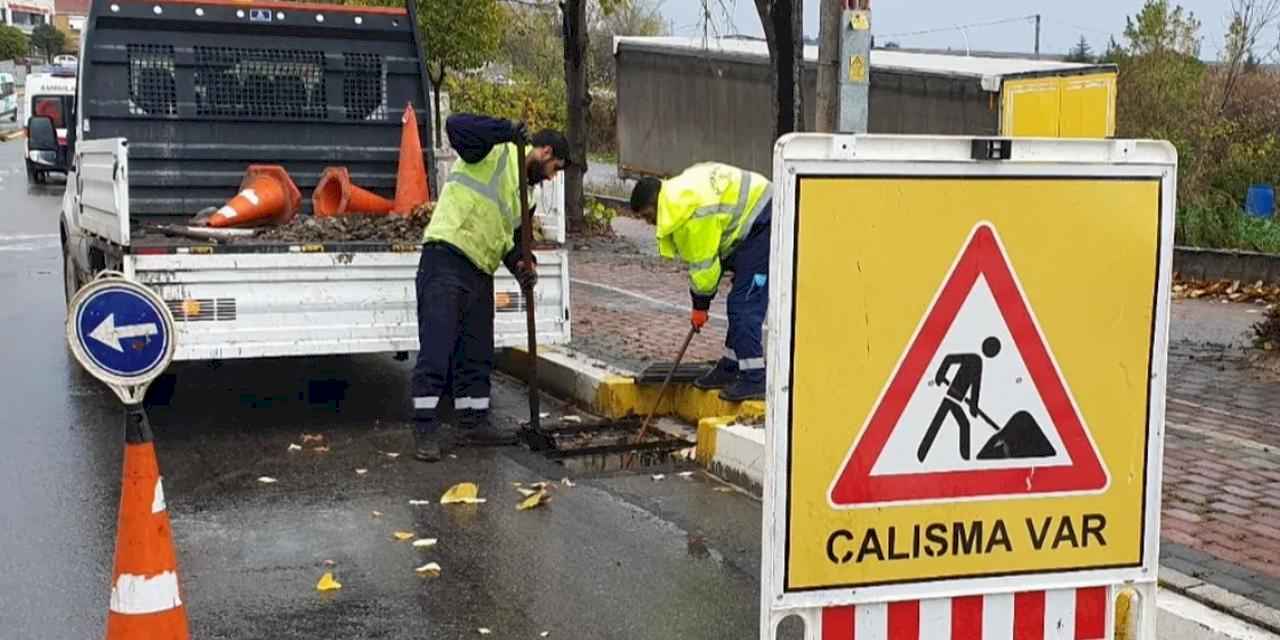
(855, 65)
(828, 108)
(1037, 36)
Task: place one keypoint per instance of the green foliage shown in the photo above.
(628, 18)
(460, 35)
(1159, 28)
(537, 103)
(1081, 52)
(598, 218)
(13, 43)
(48, 41)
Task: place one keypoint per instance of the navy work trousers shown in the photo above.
(748, 300)
(455, 337)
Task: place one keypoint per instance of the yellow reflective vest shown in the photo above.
(704, 213)
(479, 207)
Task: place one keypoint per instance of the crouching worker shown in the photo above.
(716, 218)
(474, 228)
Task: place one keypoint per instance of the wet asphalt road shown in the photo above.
(619, 555)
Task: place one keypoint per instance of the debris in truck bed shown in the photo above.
(351, 228)
(358, 228)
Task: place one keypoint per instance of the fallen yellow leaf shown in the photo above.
(327, 583)
(462, 493)
(429, 569)
(534, 500)
(525, 492)
(401, 536)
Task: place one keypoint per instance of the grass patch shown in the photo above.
(1218, 225)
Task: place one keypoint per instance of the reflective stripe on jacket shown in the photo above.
(479, 207)
(704, 213)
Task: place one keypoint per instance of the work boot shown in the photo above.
(426, 446)
(743, 389)
(482, 433)
(719, 377)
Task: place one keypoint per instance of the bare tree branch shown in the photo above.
(1249, 19)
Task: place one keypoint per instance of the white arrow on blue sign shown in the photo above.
(121, 332)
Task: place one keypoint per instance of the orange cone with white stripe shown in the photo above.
(145, 600)
(267, 196)
(335, 196)
(411, 175)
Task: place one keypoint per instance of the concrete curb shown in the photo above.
(728, 444)
(1213, 264)
(1216, 597)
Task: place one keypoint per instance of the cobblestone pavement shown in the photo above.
(1221, 511)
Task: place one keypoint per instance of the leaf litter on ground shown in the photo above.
(462, 493)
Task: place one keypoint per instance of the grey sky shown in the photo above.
(1062, 22)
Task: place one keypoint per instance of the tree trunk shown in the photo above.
(781, 20)
(436, 85)
(575, 79)
(827, 116)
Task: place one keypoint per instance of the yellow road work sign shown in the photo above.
(857, 69)
(971, 376)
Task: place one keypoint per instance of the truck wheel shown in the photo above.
(70, 279)
(31, 173)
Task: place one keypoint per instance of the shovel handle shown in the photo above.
(531, 324)
(662, 391)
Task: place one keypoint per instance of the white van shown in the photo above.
(52, 96)
(8, 97)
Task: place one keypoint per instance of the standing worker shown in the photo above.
(717, 218)
(475, 227)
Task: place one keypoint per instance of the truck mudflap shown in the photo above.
(258, 305)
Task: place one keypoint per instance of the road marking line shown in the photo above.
(641, 296)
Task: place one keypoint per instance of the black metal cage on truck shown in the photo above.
(201, 90)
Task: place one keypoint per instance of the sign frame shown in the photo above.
(129, 388)
(800, 155)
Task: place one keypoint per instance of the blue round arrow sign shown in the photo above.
(122, 332)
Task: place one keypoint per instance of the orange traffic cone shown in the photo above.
(267, 196)
(335, 196)
(145, 600)
(411, 175)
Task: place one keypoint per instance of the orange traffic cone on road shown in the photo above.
(267, 196)
(335, 196)
(411, 175)
(145, 600)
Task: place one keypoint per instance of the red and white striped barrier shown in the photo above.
(1066, 614)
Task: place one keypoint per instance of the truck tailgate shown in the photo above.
(253, 305)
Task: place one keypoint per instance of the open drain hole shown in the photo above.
(605, 446)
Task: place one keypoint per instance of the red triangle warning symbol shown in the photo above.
(977, 407)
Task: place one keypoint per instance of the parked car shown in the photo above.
(8, 97)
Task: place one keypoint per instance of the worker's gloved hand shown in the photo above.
(519, 132)
(698, 318)
(526, 274)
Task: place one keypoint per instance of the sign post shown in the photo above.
(966, 401)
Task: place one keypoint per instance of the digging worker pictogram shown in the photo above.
(965, 388)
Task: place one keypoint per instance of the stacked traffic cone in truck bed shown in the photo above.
(269, 197)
